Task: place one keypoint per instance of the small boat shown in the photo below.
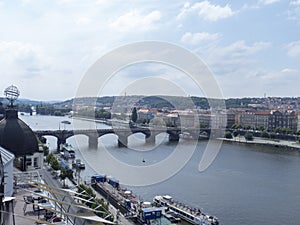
(66, 122)
(186, 136)
(77, 164)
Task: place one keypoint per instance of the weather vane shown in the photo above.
(12, 93)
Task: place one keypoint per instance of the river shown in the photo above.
(244, 185)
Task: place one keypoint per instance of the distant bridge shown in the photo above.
(122, 133)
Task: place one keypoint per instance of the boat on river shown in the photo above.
(67, 151)
(192, 215)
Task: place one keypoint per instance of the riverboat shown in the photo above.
(187, 213)
(67, 151)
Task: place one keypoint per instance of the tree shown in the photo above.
(249, 136)
(66, 173)
(235, 133)
(55, 164)
(236, 126)
(228, 135)
(265, 134)
(134, 115)
(49, 158)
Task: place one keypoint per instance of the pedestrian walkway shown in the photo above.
(56, 202)
(264, 141)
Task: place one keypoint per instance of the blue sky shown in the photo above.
(251, 47)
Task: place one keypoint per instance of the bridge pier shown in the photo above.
(122, 141)
(173, 137)
(60, 141)
(93, 142)
(150, 139)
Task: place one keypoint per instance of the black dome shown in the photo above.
(16, 136)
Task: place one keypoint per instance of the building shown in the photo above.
(8, 164)
(18, 138)
(298, 120)
(6, 186)
(2, 111)
(269, 120)
(286, 119)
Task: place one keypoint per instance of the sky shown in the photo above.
(251, 48)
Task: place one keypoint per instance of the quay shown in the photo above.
(280, 144)
(162, 210)
(122, 200)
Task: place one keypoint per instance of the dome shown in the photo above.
(16, 136)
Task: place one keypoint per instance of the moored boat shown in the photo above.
(192, 215)
(67, 151)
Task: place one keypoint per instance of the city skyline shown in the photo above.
(251, 47)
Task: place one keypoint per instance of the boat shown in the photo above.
(187, 136)
(77, 164)
(192, 215)
(67, 151)
(66, 122)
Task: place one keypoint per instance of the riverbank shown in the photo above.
(283, 144)
(92, 120)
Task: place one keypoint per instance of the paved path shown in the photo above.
(263, 141)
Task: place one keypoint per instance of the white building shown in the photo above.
(8, 164)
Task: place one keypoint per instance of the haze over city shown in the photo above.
(251, 47)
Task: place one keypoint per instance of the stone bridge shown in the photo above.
(122, 133)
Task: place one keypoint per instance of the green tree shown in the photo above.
(235, 133)
(265, 134)
(55, 164)
(228, 135)
(236, 126)
(249, 136)
(134, 115)
(66, 173)
(49, 158)
(57, 113)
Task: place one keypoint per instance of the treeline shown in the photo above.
(97, 114)
(48, 109)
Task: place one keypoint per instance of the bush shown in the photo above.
(249, 136)
(228, 135)
(265, 134)
(235, 133)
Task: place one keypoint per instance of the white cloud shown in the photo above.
(21, 63)
(241, 49)
(196, 38)
(268, 2)
(296, 2)
(289, 70)
(136, 21)
(103, 2)
(231, 58)
(83, 20)
(294, 11)
(293, 49)
(19, 54)
(207, 11)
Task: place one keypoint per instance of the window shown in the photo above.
(28, 162)
(35, 162)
